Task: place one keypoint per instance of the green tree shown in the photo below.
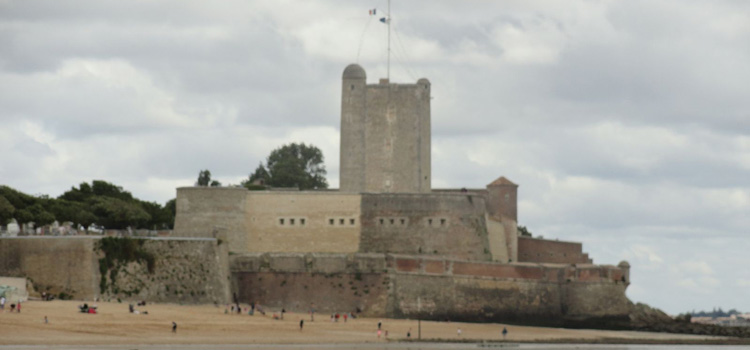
(171, 209)
(6, 210)
(41, 217)
(115, 213)
(204, 178)
(260, 174)
(523, 231)
(293, 165)
(24, 216)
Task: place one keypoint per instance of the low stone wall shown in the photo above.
(403, 286)
(185, 270)
(53, 264)
(547, 251)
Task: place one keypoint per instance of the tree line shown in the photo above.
(99, 203)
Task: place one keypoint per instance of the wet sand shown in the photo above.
(208, 324)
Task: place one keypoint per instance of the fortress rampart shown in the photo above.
(389, 285)
(185, 270)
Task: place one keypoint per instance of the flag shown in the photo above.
(373, 12)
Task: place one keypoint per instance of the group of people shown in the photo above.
(13, 307)
(238, 309)
(336, 316)
(86, 309)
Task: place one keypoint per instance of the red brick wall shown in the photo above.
(547, 251)
(559, 273)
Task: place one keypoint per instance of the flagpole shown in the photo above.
(388, 21)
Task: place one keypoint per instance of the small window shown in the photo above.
(403, 221)
(291, 221)
(341, 221)
(351, 221)
(381, 221)
(330, 222)
(429, 221)
(442, 222)
(302, 222)
(392, 221)
(281, 221)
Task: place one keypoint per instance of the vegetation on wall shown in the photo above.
(118, 251)
(99, 203)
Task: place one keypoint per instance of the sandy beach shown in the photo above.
(208, 324)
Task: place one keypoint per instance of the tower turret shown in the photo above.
(385, 135)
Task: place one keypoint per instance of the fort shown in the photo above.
(385, 244)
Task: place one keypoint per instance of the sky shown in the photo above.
(625, 123)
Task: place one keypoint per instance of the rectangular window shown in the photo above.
(429, 222)
(291, 221)
(281, 221)
(351, 221)
(381, 221)
(442, 222)
(403, 222)
(392, 221)
(330, 222)
(302, 222)
(341, 221)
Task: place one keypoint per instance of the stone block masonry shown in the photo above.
(184, 270)
(432, 224)
(408, 286)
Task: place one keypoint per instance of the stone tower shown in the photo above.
(503, 199)
(385, 135)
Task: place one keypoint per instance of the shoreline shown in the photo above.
(209, 325)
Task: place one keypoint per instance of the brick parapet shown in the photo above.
(432, 266)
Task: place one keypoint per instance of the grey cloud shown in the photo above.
(627, 135)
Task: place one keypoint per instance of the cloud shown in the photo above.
(626, 129)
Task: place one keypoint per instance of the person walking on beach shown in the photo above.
(408, 334)
(174, 327)
(2, 304)
(301, 324)
(380, 323)
(505, 332)
(458, 331)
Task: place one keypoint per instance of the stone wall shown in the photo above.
(547, 251)
(55, 265)
(212, 212)
(185, 270)
(404, 286)
(302, 222)
(437, 224)
(385, 135)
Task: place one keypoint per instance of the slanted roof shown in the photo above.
(502, 181)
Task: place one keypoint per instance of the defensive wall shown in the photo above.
(183, 270)
(402, 286)
(439, 224)
(450, 224)
(547, 251)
